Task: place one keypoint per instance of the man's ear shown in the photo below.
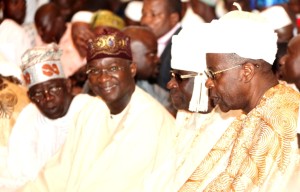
(29, 97)
(69, 85)
(133, 69)
(174, 18)
(248, 71)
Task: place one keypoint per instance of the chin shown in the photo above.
(224, 109)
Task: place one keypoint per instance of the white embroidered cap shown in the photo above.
(40, 64)
(188, 54)
(82, 16)
(247, 34)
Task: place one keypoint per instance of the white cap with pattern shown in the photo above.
(40, 64)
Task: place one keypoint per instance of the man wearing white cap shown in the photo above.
(42, 126)
(264, 141)
(198, 125)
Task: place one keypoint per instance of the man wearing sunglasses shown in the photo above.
(198, 124)
(239, 70)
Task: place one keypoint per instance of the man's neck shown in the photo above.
(258, 92)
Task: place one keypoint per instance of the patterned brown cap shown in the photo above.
(110, 43)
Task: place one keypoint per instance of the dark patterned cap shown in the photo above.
(110, 43)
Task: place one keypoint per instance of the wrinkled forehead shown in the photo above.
(155, 5)
(49, 83)
(108, 61)
(219, 60)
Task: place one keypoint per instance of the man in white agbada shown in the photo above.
(198, 125)
(263, 155)
(42, 126)
(139, 139)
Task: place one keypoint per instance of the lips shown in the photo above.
(107, 88)
(50, 109)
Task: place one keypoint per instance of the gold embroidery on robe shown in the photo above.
(261, 140)
(13, 98)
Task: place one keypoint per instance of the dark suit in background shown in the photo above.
(165, 65)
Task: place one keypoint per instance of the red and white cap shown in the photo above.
(40, 64)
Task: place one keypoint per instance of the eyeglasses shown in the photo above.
(111, 70)
(212, 75)
(180, 78)
(39, 95)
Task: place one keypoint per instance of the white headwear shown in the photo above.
(247, 34)
(82, 16)
(277, 16)
(188, 54)
(41, 64)
(133, 10)
(9, 69)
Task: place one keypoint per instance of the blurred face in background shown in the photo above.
(81, 32)
(157, 16)
(15, 10)
(290, 62)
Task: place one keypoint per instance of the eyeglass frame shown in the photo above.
(40, 95)
(182, 77)
(212, 75)
(110, 71)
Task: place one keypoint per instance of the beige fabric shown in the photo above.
(114, 154)
(264, 153)
(13, 99)
(35, 139)
(197, 134)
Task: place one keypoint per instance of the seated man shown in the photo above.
(198, 124)
(42, 126)
(264, 143)
(119, 155)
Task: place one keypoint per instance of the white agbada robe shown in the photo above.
(13, 41)
(116, 156)
(197, 135)
(34, 139)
